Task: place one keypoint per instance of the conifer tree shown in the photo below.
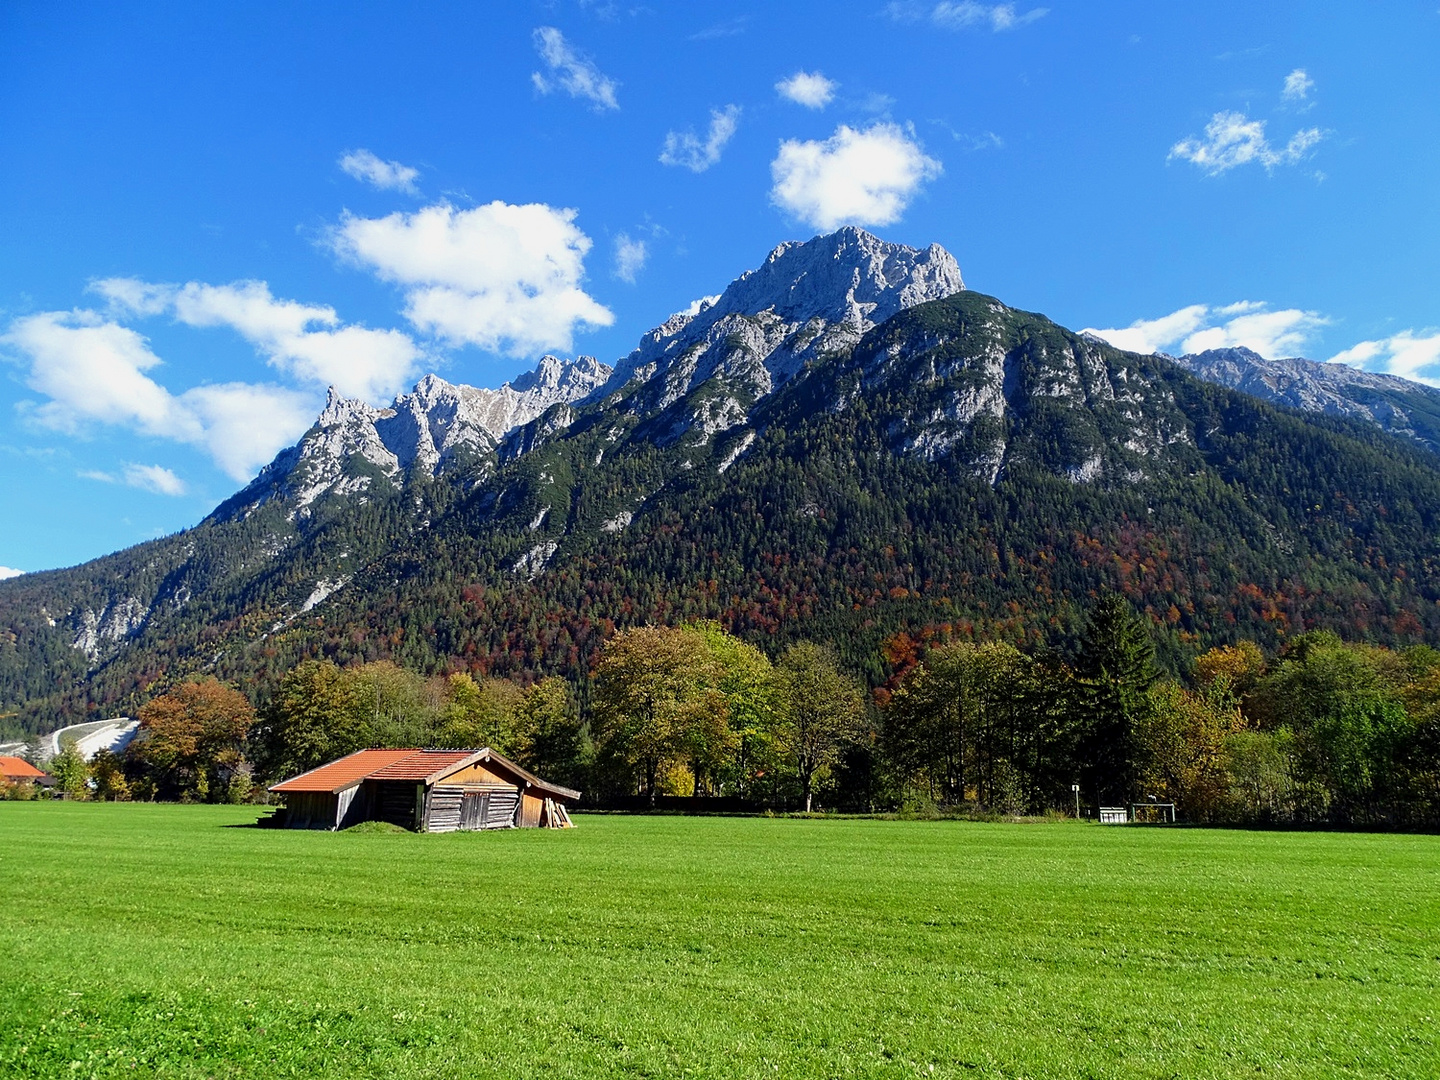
(1114, 671)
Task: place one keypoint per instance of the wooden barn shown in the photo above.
(425, 790)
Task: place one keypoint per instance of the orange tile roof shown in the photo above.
(341, 774)
(420, 764)
(14, 768)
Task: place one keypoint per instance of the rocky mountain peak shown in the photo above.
(807, 298)
(555, 376)
(849, 276)
(340, 410)
(438, 423)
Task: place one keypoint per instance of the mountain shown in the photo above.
(438, 427)
(1408, 409)
(845, 445)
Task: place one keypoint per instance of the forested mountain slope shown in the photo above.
(845, 446)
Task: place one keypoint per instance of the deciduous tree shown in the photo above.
(657, 700)
(822, 712)
(70, 770)
(191, 739)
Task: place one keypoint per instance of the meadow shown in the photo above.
(162, 940)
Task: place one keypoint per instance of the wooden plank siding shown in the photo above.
(530, 808)
(478, 773)
(455, 807)
(311, 810)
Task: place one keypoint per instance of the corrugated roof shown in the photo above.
(338, 775)
(421, 764)
(16, 768)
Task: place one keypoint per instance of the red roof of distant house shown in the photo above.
(421, 764)
(14, 768)
(341, 774)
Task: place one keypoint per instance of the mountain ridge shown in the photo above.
(859, 449)
(1399, 406)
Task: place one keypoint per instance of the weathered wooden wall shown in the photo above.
(479, 773)
(451, 807)
(351, 807)
(530, 807)
(310, 810)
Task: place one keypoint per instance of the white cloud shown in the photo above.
(698, 305)
(154, 478)
(246, 424)
(571, 72)
(1248, 324)
(964, 14)
(129, 296)
(357, 361)
(1269, 333)
(385, 175)
(93, 372)
(1297, 86)
(854, 177)
(1232, 139)
(1153, 335)
(630, 256)
(502, 277)
(687, 149)
(808, 88)
(9, 572)
(1407, 354)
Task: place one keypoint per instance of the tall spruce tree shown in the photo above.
(1114, 670)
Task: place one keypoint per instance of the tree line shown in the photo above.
(1320, 731)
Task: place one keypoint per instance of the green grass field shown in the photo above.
(145, 940)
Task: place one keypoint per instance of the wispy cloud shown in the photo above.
(1409, 354)
(986, 140)
(1249, 324)
(9, 572)
(152, 478)
(569, 71)
(856, 177)
(808, 88)
(965, 14)
(1297, 86)
(728, 28)
(630, 256)
(686, 149)
(1232, 139)
(385, 175)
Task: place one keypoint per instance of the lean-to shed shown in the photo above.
(425, 790)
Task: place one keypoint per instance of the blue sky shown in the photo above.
(209, 212)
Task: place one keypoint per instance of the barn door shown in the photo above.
(472, 810)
